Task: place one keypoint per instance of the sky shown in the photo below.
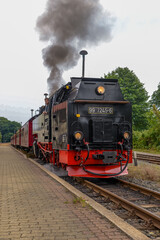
(23, 77)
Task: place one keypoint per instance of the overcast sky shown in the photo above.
(135, 44)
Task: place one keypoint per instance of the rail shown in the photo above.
(144, 214)
(151, 158)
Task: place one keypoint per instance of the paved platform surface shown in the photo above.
(34, 206)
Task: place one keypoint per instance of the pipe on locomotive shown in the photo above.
(83, 53)
(32, 112)
(120, 156)
(111, 175)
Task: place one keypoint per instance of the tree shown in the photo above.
(155, 99)
(150, 138)
(7, 137)
(133, 90)
(8, 128)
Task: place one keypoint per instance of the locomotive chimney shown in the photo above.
(45, 95)
(32, 112)
(83, 53)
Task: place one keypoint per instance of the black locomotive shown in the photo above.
(87, 130)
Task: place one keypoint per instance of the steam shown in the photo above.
(68, 26)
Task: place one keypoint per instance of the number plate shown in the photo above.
(100, 110)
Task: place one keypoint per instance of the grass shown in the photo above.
(30, 155)
(145, 171)
(147, 151)
(80, 200)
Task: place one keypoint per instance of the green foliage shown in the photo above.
(79, 200)
(137, 139)
(155, 99)
(150, 138)
(8, 128)
(133, 90)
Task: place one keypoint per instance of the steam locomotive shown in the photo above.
(87, 130)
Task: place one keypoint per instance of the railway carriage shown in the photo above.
(18, 138)
(26, 135)
(13, 140)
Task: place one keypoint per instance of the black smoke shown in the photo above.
(68, 26)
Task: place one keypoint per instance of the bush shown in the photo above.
(150, 138)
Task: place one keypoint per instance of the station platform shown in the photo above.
(33, 206)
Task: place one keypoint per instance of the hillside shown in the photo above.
(7, 129)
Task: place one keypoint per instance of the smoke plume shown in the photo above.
(68, 26)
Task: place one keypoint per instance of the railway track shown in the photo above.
(137, 200)
(155, 159)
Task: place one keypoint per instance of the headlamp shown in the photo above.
(100, 90)
(78, 135)
(126, 135)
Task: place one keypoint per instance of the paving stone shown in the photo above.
(33, 206)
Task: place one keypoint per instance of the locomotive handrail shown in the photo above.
(100, 101)
(39, 145)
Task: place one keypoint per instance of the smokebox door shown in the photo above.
(102, 131)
